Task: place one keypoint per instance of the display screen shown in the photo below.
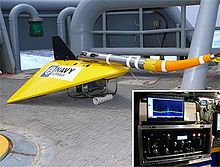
(218, 122)
(182, 137)
(203, 102)
(165, 108)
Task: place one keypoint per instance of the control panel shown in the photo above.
(168, 143)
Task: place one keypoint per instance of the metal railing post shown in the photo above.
(195, 78)
(141, 27)
(183, 26)
(104, 29)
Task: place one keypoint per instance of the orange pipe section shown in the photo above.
(168, 66)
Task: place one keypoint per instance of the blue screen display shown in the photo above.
(165, 108)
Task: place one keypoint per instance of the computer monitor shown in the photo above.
(203, 102)
(165, 109)
(216, 123)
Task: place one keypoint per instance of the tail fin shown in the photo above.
(61, 50)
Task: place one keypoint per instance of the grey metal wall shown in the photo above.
(114, 22)
(129, 22)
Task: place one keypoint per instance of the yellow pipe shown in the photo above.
(168, 66)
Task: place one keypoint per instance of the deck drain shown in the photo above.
(22, 148)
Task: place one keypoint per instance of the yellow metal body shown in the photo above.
(4, 146)
(48, 80)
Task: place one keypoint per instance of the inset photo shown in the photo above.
(175, 128)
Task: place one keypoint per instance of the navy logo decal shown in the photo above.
(67, 73)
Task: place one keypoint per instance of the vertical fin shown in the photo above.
(61, 50)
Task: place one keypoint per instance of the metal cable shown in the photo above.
(145, 83)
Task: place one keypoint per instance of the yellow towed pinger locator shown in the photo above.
(68, 70)
(60, 75)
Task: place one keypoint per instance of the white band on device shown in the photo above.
(136, 62)
(201, 61)
(107, 58)
(163, 66)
